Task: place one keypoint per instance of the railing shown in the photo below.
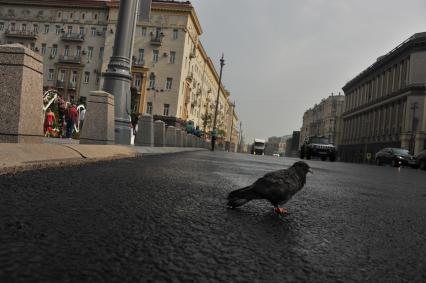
(70, 59)
(21, 34)
(157, 39)
(138, 63)
(72, 37)
(72, 85)
(60, 84)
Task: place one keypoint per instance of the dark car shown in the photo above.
(396, 157)
(318, 146)
(421, 160)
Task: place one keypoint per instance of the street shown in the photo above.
(163, 218)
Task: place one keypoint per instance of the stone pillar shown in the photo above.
(178, 138)
(99, 120)
(419, 142)
(145, 134)
(159, 133)
(184, 138)
(21, 95)
(171, 136)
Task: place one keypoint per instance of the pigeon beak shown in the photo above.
(310, 171)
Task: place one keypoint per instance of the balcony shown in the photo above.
(76, 37)
(70, 59)
(60, 84)
(72, 85)
(21, 34)
(157, 39)
(138, 63)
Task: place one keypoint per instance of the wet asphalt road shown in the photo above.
(163, 218)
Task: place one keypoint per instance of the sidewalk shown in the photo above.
(22, 157)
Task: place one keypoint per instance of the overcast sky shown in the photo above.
(283, 56)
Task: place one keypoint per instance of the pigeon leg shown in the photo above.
(281, 210)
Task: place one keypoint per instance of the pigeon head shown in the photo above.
(302, 167)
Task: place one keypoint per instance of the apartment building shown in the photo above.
(385, 103)
(324, 119)
(172, 74)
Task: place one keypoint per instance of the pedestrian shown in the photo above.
(48, 122)
(134, 118)
(82, 116)
(71, 117)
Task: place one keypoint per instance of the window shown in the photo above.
(155, 56)
(58, 29)
(89, 52)
(1, 26)
(82, 30)
(169, 83)
(66, 50)
(59, 14)
(149, 108)
(158, 33)
(35, 28)
(83, 16)
(86, 77)
(93, 32)
(141, 55)
(74, 77)
(71, 15)
(12, 26)
(54, 50)
(96, 16)
(138, 80)
(46, 28)
(62, 76)
(144, 31)
(50, 76)
(101, 52)
(166, 110)
(32, 46)
(152, 81)
(78, 51)
(175, 33)
(172, 57)
(69, 29)
(24, 27)
(43, 48)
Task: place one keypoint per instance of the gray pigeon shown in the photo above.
(277, 187)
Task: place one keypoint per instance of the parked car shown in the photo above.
(318, 146)
(421, 160)
(396, 157)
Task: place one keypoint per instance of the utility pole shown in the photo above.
(117, 77)
(232, 126)
(214, 131)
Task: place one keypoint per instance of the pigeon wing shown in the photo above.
(274, 186)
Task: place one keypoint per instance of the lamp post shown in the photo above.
(117, 77)
(214, 132)
(232, 127)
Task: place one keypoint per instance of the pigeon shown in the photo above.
(277, 187)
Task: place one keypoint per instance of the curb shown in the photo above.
(16, 158)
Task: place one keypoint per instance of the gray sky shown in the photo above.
(283, 56)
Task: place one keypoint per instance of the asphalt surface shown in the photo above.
(163, 218)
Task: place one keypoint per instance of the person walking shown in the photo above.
(71, 117)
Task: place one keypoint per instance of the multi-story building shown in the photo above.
(172, 74)
(324, 119)
(385, 104)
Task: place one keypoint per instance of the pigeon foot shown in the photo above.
(281, 210)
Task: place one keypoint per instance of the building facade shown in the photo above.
(385, 104)
(324, 119)
(172, 74)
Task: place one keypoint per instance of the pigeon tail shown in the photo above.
(241, 196)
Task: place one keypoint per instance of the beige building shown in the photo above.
(324, 119)
(385, 104)
(172, 74)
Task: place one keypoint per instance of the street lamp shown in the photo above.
(214, 132)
